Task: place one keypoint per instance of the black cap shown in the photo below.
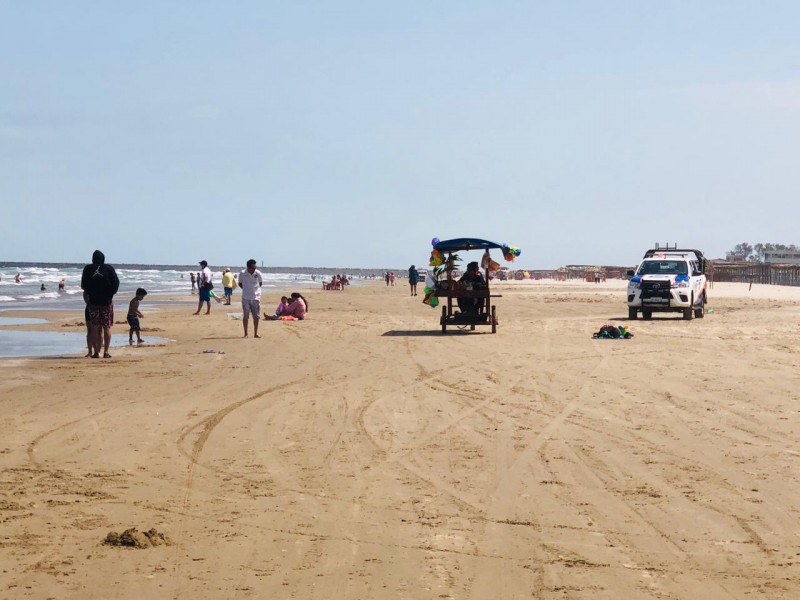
(203, 263)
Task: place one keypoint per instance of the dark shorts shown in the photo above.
(205, 294)
(229, 292)
(133, 321)
(101, 316)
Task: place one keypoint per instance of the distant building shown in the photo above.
(782, 257)
(733, 257)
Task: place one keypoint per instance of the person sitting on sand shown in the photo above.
(297, 309)
(134, 315)
(281, 310)
(283, 307)
(298, 306)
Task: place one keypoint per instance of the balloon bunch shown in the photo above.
(436, 259)
(431, 299)
(510, 253)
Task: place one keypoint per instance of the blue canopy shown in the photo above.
(457, 244)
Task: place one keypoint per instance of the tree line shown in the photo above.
(755, 252)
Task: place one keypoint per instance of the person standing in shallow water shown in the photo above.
(99, 283)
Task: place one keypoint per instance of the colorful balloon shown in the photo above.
(510, 253)
(430, 297)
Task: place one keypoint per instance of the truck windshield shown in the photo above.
(663, 267)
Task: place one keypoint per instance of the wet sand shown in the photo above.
(361, 454)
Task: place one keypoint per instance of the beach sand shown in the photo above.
(361, 454)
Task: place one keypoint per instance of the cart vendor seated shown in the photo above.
(472, 279)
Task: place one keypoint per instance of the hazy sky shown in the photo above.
(351, 133)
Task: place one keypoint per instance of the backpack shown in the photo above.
(612, 332)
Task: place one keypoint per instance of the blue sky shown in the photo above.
(351, 133)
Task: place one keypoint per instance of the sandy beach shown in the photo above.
(361, 454)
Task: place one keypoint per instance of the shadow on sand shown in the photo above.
(433, 332)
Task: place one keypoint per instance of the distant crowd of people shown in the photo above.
(337, 282)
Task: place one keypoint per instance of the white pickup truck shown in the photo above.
(668, 280)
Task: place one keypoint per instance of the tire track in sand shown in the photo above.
(206, 427)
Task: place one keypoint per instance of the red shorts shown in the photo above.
(101, 316)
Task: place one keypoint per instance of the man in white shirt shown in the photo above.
(250, 282)
(204, 287)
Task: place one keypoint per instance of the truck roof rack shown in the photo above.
(674, 250)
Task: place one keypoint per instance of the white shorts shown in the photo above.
(251, 307)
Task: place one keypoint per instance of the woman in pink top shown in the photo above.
(298, 306)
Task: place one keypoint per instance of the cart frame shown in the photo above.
(487, 315)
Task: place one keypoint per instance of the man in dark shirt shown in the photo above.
(413, 279)
(99, 283)
(473, 280)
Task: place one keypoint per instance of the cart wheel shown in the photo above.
(494, 319)
(444, 319)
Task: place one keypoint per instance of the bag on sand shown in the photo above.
(612, 332)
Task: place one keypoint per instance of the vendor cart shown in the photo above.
(449, 290)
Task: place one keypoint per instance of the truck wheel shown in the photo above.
(700, 311)
(688, 313)
(632, 314)
(647, 314)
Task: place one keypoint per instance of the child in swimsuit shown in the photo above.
(134, 315)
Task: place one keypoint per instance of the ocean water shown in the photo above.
(16, 344)
(28, 293)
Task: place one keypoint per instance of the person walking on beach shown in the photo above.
(228, 284)
(413, 279)
(134, 315)
(99, 283)
(194, 282)
(386, 277)
(250, 281)
(204, 288)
